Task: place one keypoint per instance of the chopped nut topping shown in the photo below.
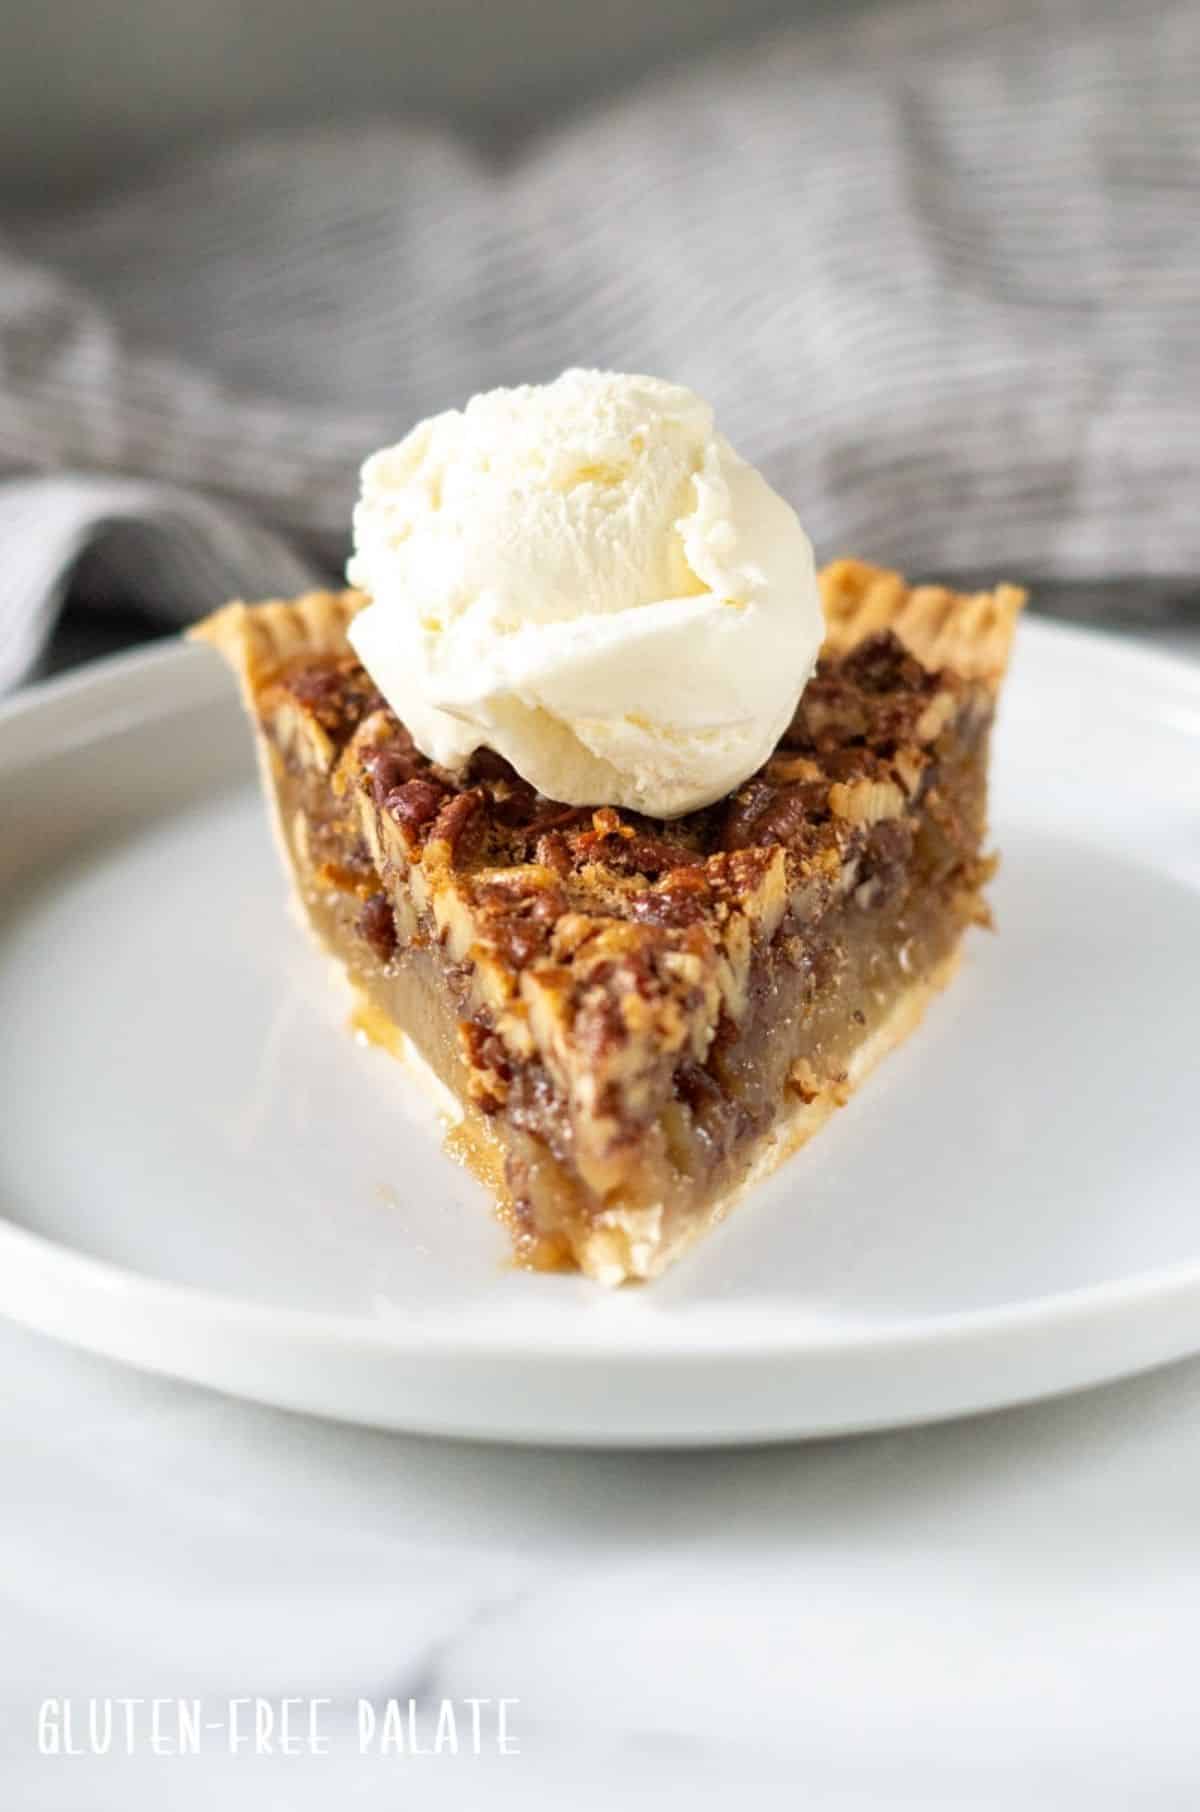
(589, 947)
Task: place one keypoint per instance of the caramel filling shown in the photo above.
(819, 994)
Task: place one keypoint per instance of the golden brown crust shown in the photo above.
(256, 639)
(970, 633)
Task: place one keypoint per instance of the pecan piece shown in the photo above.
(377, 926)
(519, 941)
(414, 804)
(679, 900)
(392, 762)
(743, 812)
(882, 663)
(553, 852)
(655, 856)
(335, 691)
(487, 1060)
(766, 814)
(524, 933)
(623, 849)
(461, 824)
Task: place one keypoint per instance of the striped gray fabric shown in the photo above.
(937, 267)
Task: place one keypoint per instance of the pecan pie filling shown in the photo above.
(639, 1016)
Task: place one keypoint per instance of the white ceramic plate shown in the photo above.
(201, 1173)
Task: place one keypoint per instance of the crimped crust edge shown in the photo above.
(256, 639)
(970, 633)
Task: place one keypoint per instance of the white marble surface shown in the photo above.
(998, 1613)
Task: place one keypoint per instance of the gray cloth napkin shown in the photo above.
(937, 267)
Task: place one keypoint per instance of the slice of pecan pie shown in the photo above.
(641, 1017)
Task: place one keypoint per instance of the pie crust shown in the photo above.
(639, 1019)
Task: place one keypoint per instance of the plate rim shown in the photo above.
(120, 692)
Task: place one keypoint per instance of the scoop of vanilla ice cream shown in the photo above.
(585, 577)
